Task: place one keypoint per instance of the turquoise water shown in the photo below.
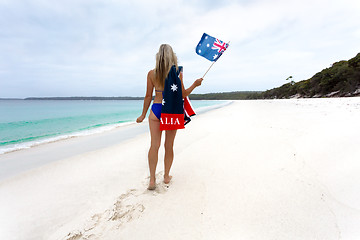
(24, 123)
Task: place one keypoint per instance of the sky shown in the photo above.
(106, 47)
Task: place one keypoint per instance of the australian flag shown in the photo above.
(172, 110)
(211, 48)
(175, 111)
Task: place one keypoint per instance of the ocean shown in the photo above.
(27, 123)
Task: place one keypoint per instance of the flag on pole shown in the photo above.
(211, 48)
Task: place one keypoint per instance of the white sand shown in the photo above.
(279, 169)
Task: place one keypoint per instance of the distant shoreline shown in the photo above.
(75, 98)
(84, 98)
(236, 95)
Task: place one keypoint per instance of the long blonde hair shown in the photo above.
(165, 59)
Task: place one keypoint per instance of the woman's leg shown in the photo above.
(154, 125)
(169, 153)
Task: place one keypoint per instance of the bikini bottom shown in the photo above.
(156, 108)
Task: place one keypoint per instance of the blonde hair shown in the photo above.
(165, 59)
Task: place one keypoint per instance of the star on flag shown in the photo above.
(174, 87)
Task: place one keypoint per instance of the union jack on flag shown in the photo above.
(211, 48)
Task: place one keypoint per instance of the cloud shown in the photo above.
(105, 48)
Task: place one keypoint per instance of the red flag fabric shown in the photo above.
(189, 111)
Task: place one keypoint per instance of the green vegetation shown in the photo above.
(240, 95)
(342, 79)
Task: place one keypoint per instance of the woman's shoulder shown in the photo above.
(151, 73)
(151, 76)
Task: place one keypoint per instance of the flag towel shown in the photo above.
(188, 110)
(211, 48)
(174, 113)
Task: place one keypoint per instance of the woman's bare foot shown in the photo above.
(152, 185)
(167, 179)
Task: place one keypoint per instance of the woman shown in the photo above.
(165, 59)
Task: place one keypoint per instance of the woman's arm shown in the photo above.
(186, 92)
(147, 98)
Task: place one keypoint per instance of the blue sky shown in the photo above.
(106, 48)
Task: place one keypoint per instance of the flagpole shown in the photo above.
(209, 69)
(211, 65)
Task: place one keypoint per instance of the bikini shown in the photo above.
(156, 107)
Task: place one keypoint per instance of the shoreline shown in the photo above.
(5, 149)
(12, 162)
(17, 162)
(263, 169)
(62, 137)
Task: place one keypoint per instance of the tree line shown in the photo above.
(342, 79)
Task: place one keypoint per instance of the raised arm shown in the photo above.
(186, 92)
(147, 98)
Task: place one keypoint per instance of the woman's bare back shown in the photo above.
(158, 90)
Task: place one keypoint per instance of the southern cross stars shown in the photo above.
(215, 56)
(174, 87)
(211, 48)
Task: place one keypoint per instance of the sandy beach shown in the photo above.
(264, 169)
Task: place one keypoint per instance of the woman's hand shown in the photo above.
(186, 92)
(198, 82)
(140, 119)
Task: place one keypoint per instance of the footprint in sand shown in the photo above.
(126, 208)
